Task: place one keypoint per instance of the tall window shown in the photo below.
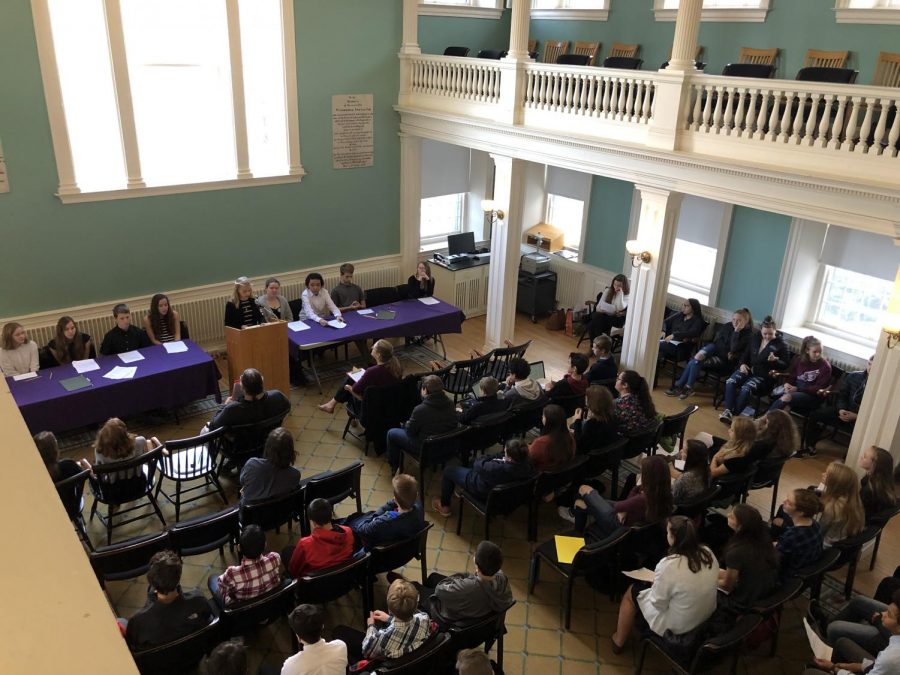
(442, 216)
(567, 204)
(717, 10)
(596, 10)
(479, 9)
(169, 93)
(568, 215)
(867, 11)
(699, 248)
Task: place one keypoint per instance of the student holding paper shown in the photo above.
(681, 330)
(317, 303)
(70, 344)
(18, 354)
(387, 370)
(162, 323)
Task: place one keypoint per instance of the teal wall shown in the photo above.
(57, 255)
(607, 227)
(752, 267)
(438, 32)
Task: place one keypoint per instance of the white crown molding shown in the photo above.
(461, 11)
(571, 14)
(873, 16)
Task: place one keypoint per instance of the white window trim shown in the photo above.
(462, 11)
(571, 14)
(438, 241)
(585, 212)
(718, 14)
(874, 15)
(68, 190)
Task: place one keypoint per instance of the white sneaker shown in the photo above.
(566, 514)
(725, 416)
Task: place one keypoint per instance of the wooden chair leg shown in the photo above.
(570, 582)
(459, 516)
(534, 572)
(639, 668)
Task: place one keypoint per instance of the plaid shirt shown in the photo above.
(253, 577)
(397, 638)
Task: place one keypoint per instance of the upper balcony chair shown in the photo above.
(623, 62)
(456, 51)
(495, 54)
(834, 74)
(332, 486)
(573, 60)
(760, 56)
(620, 49)
(191, 459)
(118, 483)
(887, 70)
(70, 492)
(181, 656)
(589, 49)
(532, 47)
(758, 70)
(697, 63)
(818, 58)
(553, 49)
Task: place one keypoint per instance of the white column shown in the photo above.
(506, 237)
(687, 27)
(410, 43)
(647, 304)
(410, 202)
(518, 29)
(238, 103)
(289, 51)
(878, 422)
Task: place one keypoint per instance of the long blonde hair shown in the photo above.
(782, 431)
(385, 351)
(236, 294)
(743, 435)
(840, 499)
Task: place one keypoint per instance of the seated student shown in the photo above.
(842, 414)
(486, 473)
(634, 406)
(390, 634)
(612, 304)
(387, 370)
(749, 565)
(683, 328)
(242, 311)
(842, 512)
(123, 337)
(272, 474)
(115, 444)
(257, 573)
(70, 344)
(18, 354)
(328, 544)
(434, 415)
(859, 621)
(273, 305)
(169, 614)
(519, 389)
(765, 355)
(649, 502)
(399, 519)
(60, 469)
(254, 405)
(806, 379)
(317, 303)
(462, 598)
(851, 657)
(556, 445)
(347, 295)
(162, 323)
(800, 544)
(683, 593)
(734, 455)
(722, 355)
(876, 489)
(317, 657)
(473, 662)
(574, 383)
(776, 436)
(604, 368)
(229, 658)
(486, 404)
(421, 284)
(598, 427)
(694, 479)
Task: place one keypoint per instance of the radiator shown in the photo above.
(569, 280)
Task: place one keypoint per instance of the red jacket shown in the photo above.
(325, 547)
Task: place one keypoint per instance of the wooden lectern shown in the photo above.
(264, 347)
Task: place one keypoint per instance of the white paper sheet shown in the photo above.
(121, 373)
(679, 464)
(642, 574)
(131, 357)
(85, 366)
(297, 326)
(356, 375)
(429, 301)
(175, 347)
(365, 311)
(24, 376)
(335, 323)
(819, 649)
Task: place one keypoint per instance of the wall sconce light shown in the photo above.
(638, 255)
(892, 318)
(490, 208)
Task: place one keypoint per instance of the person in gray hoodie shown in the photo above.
(436, 414)
(520, 389)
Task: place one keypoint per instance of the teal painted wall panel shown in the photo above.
(83, 253)
(438, 32)
(607, 228)
(756, 244)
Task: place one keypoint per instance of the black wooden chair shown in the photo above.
(674, 426)
(383, 407)
(243, 441)
(551, 481)
(762, 71)
(498, 365)
(735, 485)
(880, 520)
(206, 533)
(456, 51)
(773, 603)
(812, 574)
(605, 458)
(569, 403)
(118, 483)
(768, 475)
(501, 501)
(434, 651)
(591, 556)
(525, 418)
(333, 486)
(245, 616)
(696, 507)
(496, 54)
(573, 60)
(850, 551)
(388, 557)
(70, 491)
(485, 631)
(127, 559)
(327, 585)
(485, 432)
(384, 295)
(436, 450)
(191, 459)
(623, 62)
(272, 513)
(181, 656)
(463, 375)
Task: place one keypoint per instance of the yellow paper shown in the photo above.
(567, 547)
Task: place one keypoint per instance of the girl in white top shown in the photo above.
(317, 303)
(18, 354)
(612, 305)
(683, 593)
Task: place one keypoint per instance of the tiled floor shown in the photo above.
(536, 642)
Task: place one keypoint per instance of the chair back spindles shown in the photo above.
(826, 59)
(887, 70)
(553, 49)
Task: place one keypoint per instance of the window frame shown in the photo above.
(440, 240)
(68, 190)
(585, 211)
(492, 10)
(600, 13)
(717, 14)
(812, 321)
(844, 13)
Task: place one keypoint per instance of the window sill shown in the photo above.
(875, 16)
(571, 14)
(461, 11)
(128, 193)
(721, 15)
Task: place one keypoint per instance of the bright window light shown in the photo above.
(691, 273)
(441, 216)
(853, 303)
(568, 215)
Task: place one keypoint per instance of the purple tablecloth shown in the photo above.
(162, 380)
(413, 318)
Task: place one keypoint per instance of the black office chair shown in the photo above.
(455, 51)
(332, 486)
(762, 71)
(206, 533)
(180, 656)
(491, 54)
(824, 74)
(623, 62)
(573, 60)
(501, 501)
(127, 559)
(191, 459)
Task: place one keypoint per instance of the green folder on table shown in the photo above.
(385, 314)
(75, 383)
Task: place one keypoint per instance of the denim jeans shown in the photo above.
(453, 476)
(738, 388)
(398, 441)
(692, 370)
(853, 622)
(603, 511)
(800, 402)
